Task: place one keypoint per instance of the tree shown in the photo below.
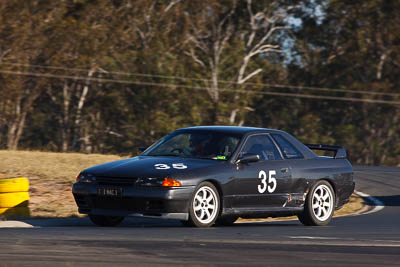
(347, 47)
(21, 39)
(215, 29)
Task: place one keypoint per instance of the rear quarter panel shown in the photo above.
(339, 172)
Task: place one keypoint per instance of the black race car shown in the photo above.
(214, 174)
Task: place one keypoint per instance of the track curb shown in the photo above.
(378, 205)
(14, 224)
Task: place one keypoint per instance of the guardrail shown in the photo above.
(14, 196)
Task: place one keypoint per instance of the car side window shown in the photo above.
(288, 150)
(261, 145)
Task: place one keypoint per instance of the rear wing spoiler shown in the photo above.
(340, 152)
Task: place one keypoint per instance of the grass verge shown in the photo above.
(51, 176)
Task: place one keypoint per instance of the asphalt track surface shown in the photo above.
(365, 240)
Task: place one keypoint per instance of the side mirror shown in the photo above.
(142, 149)
(248, 158)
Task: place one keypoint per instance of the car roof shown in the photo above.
(232, 129)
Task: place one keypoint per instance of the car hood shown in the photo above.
(148, 166)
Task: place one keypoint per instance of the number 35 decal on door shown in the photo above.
(270, 184)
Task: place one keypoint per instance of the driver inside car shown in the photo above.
(198, 144)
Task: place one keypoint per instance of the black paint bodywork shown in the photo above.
(236, 182)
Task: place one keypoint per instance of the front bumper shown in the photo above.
(167, 203)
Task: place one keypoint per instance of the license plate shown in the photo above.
(109, 192)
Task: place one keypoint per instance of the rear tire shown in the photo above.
(102, 220)
(187, 223)
(204, 206)
(319, 206)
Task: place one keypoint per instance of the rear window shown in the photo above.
(288, 150)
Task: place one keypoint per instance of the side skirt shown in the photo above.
(263, 213)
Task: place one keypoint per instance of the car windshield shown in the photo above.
(196, 144)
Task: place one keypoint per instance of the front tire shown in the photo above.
(319, 206)
(102, 220)
(226, 221)
(204, 206)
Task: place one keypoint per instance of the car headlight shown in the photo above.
(149, 181)
(165, 182)
(86, 178)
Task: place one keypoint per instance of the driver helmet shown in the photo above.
(197, 142)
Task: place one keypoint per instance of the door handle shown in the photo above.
(284, 170)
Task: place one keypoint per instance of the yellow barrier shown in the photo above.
(20, 184)
(14, 196)
(10, 200)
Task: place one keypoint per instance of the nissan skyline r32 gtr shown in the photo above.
(214, 174)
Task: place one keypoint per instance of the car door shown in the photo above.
(297, 162)
(265, 183)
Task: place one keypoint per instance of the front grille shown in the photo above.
(115, 181)
(155, 205)
(81, 201)
(125, 203)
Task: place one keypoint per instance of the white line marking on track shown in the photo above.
(378, 204)
(314, 237)
(322, 241)
(349, 241)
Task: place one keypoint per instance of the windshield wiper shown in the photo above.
(212, 158)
